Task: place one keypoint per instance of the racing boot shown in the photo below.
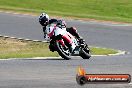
(81, 41)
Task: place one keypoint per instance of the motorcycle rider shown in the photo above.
(45, 21)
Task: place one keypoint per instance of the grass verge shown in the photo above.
(114, 10)
(102, 51)
(13, 48)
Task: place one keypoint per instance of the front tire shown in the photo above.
(85, 52)
(61, 51)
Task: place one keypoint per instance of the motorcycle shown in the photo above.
(66, 44)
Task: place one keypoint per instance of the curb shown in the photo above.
(23, 39)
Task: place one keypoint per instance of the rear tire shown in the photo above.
(61, 53)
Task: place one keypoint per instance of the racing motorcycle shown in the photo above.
(66, 44)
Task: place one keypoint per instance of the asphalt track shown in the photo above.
(59, 73)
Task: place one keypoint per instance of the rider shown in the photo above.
(44, 21)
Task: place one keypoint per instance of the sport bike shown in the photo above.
(66, 44)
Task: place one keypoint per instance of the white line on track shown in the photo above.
(130, 83)
(32, 58)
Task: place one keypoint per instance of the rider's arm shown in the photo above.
(44, 30)
(53, 21)
(59, 23)
(46, 37)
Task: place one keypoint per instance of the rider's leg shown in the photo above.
(73, 31)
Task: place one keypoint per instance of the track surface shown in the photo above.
(59, 73)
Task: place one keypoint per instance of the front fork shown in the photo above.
(61, 42)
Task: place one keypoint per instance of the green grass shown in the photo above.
(102, 51)
(13, 48)
(115, 10)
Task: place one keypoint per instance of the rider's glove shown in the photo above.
(61, 24)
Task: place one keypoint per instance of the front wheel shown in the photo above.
(85, 52)
(62, 51)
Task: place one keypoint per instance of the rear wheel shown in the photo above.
(63, 51)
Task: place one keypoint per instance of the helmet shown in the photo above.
(44, 19)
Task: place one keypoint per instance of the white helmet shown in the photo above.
(44, 19)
